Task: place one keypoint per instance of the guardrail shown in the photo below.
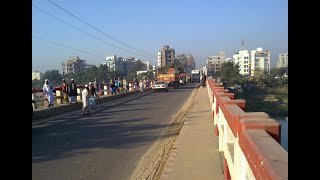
(37, 94)
(250, 141)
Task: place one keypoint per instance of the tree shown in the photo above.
(278, 71)
(230, 72)
(138, 66)
(53, 76)
(177, 65)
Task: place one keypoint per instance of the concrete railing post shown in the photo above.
(34, 99)
(59, 97)
(79, 94)
(105, 89)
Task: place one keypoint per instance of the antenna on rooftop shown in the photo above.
(242, 45)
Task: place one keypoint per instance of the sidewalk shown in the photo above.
(195, 154)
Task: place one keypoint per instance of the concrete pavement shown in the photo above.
(195, 153)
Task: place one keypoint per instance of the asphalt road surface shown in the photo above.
(106, 144)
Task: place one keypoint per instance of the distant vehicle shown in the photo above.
(195, 76)
(160, 86)
(182, 78)
(171, 78)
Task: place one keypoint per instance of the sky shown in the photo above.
(95, 29)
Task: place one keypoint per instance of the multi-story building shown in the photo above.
(36, 75)
(283, 60)
(159, 59)
(242, 59)
(228, 60)
(214, 62)
(260, 59)
(74, 65)
(167, 55)
(148, 66)
(110, 61)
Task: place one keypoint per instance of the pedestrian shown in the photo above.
(125, 85)
(73, 92)
(48, 92)
(92, 92)
(96, 86)
(65, 90)
(204, 78)
(85, 100)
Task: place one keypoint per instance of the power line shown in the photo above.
(58, 44)
(83, 30)
(100, 30)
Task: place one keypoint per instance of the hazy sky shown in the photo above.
(201, 28)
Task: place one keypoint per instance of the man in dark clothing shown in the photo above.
(73, 92)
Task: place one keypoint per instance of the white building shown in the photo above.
(228, 60)
(36, 75)
(110, 61)
(242, 59)
(260, 59)
(74, 65)
(283, 60)
(214, 62)
(159, 59)
(147, 63)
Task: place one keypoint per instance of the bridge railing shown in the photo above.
(38, 96)
(250, 141)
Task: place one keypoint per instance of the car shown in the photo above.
(160, 85)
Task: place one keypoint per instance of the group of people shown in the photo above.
(90, 92)
(69, 93)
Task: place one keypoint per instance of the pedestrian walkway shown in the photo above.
(195, 154)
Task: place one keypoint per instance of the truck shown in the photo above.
(182, 78)
(171, 77)
(195, 76)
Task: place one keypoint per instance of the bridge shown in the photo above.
(150, 136)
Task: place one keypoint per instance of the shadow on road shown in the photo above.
(105, 128)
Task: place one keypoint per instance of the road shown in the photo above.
(107, 144)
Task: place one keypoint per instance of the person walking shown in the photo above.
(85, 100)
(92, 92)
(96, 86)
(65, 90)
(73, 92)
(125, 85)
(48, 92)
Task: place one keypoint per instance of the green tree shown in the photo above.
(138, 66)
(37, 84)
(177, 65)
(53, 76)
(277, 71)
(230, 72)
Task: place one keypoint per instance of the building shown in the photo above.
(186, 60)
(242, 59)
(110, 61)
(214, 62)
(159, 59)
(228, 60)
(148, 66)
(166, 55)
(260, 59)
(74, 65)
(283, 60)
(36, 75)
